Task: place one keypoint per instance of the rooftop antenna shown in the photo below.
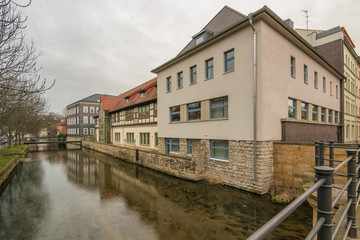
(307, 18)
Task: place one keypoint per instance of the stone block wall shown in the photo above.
(294, 163)
(237, 172)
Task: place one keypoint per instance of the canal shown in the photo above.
(82, 194)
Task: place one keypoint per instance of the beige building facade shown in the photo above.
(217, 93)
(357, 71)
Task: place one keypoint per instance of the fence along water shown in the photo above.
(326, 169)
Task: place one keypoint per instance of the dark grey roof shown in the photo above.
(225, 18)
(92, 98)
(328, 32)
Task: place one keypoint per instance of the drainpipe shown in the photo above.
(250, 16)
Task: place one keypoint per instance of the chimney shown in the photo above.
(289, 22)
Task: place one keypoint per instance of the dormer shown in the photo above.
(142, 93)
(202, 36)
(127, 99)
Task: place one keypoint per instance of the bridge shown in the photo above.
(52, 142)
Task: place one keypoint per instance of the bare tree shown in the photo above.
(21, 87)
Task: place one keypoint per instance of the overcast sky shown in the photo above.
(110, 46)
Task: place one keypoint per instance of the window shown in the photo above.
(85, 131)
(85, 109)
(193, 75)
(292, 108)
(180, 80)
(77, 120)
(77, 131)
(92, 121)
(199, 39)
(337, 91)
(92, 110)
(323, 114)
(194, 111)
(144, 111)
(97, 109)
(324, 84)
(129, 115)
(130, 138)
(330, 115)
(189, 145)
(143, 94)
(336, 117)
(315, 80)
(127, 99)
(168, 84)
(85, 120)
(347, 131)
(156, 139)
(155, 109)
(315, 113)
(172, 145)
(92, 131)
(305, 74)
(229, 60)
(209, 64)
(117, 137)
(304, 111)
(175, 114)
(292, 66)
(219, 149)
(219, 108)
(145, 138)
(331, 88)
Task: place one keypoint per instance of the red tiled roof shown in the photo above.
(119, 102)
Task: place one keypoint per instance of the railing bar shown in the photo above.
(337, 187)
(341, 219)
(357, 185)
(316, 229)
(357, 169)
(346, 233)
(343, 163)
(357, 201)
(275, 221)
(340, 175)
(340, 154)
(341, 192)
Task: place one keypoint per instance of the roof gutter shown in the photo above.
(250, 17)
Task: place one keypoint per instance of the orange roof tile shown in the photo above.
(117, 103)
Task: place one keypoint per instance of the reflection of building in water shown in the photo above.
(81, 168)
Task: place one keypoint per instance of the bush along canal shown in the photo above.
(82, 194)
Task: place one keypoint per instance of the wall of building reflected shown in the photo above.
(90, 195)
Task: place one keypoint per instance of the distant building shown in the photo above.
(79, 116)
(61, 126)
(358, 99)
(129, 119)
(337, 47)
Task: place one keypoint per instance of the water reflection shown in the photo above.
(87, 195)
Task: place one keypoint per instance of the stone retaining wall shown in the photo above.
(237, 172)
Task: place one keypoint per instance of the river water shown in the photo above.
(81, 194)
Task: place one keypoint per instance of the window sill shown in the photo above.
(168, 91)
(208, 78)
(229, 71)
(179, 88)
(192, 83)
(220, 160)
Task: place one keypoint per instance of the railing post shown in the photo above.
(321, 153)
(351, 168)
(331, 153)
(324, 200)
(317, 153)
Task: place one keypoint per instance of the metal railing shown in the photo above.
(325, 171)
